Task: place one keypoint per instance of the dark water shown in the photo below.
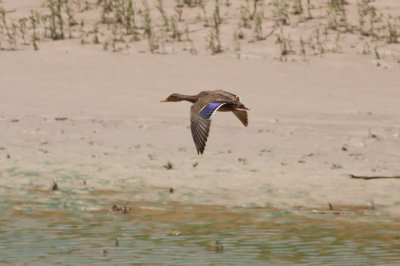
(77, 225)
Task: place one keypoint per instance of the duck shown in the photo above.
(204, 105)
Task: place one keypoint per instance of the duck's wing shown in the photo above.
(226, 94)
(200, 121)
(242, 116)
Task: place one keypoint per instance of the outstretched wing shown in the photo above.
(242, 116)
(208, 110)
(200, 121)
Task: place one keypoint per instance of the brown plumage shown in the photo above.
(204, 105)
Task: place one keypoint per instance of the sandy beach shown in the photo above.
(312, 122)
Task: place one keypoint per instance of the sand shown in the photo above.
(97, 113)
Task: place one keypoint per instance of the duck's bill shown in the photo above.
(164, 101)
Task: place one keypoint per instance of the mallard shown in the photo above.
(204, 106)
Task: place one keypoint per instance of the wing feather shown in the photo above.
(242, 116)
(200, 119)
(200, 128)
(227, 94)
(208, 110)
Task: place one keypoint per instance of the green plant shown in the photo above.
(193, 50)
(377, 55)
(236, 41)
(12, 37)
(364, 10)
(117, 9)
(43, 19)
(152, 40)
(214, 42)
(338, 48)
(114, 31)
(176, 34)
(59, 5)
(105, 46)
(178, 9)
(147, 23)
(82, 32)
(106, 9)
(309, 16)
(22, 28)
(203, 9)
(53, 25)
(187, 33)
(332, 20)
(326, 33)
(255, 4)
(280, 10)
(217, 15)
(258, 31)
(366, 49)
(1, 27)
(160, 8)
(129, 17)
(303, 51)
(337, 5)
(153, 43)
(393, 29)
(320, 47)
(193, 3)
(56, 19)
(372, 18)
(245, 16)
(96, 34)
(285, 45)
(361, 10)
(297, 7)
(337, 14)
(71, 20)
(35, 38)
(10, 31)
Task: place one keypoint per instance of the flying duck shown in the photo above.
(205, 104)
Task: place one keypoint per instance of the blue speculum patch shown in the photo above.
(210, 109)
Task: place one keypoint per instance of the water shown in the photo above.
(77, 225)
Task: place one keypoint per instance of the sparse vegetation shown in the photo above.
(285, 45)
(393, 29)
(214, 41)
(297, 7)
(280, 10)
(35, 38)
(337, 19)
(160, 8)
(309, 16)
(23, 29)
(56, 18)
(258, 30)
(168, 166)
(161, 25)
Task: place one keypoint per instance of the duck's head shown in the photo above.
(174, 97)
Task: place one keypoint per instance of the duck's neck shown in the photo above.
(189, 98)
